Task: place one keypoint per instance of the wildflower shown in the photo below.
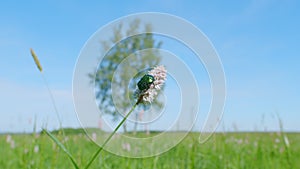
(147, 95)
(8, 138)
(239, 141)
(148, 88)
(126, 146)
(281, 150)
(12, 144)
(286, 141)
(255, 144)
(94, 136)
(116, 136)
(66, 139)
(140, 115)
(36, 149)
(37, 136)
(100, 123)
(26, 151)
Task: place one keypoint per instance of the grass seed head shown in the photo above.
(36, 60)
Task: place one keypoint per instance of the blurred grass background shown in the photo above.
(223, 150)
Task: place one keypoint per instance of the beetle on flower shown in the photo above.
(150, 84)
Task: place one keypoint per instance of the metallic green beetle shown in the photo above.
(145, 82)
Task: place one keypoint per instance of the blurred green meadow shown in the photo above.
(223, 150)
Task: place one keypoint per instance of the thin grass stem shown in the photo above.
(111, 135)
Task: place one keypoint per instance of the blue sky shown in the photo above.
(257, 42)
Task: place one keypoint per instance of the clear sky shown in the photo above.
(257, 41)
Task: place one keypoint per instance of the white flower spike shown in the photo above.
(147, 95)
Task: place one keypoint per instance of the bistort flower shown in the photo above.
(147, 87)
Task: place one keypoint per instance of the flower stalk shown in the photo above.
(146, 95)
(111, 135)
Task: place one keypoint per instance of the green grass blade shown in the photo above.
(62, 147)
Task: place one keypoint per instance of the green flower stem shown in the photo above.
(112, 134)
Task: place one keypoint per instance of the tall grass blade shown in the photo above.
(61, 146)
(285, 140)
(38, 64)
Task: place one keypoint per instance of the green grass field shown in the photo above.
(229, 150)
